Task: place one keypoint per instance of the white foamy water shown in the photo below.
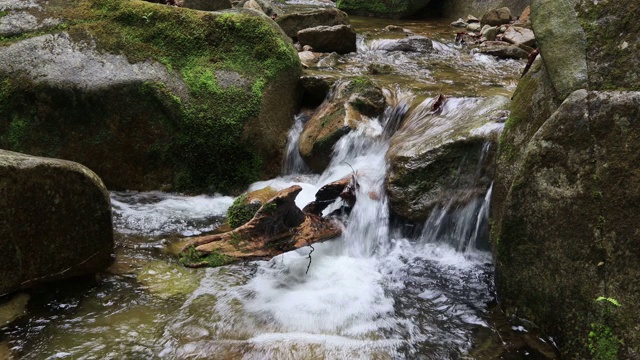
(157, 213)
(367, 294)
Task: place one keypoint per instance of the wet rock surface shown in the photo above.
(56, 221)
(339, 38)
(581, 163)
(349, 104)
(432, 148)
(294, 22)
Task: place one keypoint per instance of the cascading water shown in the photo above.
(352, 302)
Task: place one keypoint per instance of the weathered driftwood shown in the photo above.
(344, 188)
(278, 226)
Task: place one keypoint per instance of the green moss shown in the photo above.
(612, 68)
(603, 344)
(360, 83)
(206, 149)
(240, 212)
(194, 258)
(17, 134)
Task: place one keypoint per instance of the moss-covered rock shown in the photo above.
(245, 206)
(434, 158)
(587, 44)
(349, 103)
(56, 221)
(394, 9)
(533, 102)
(567, 231)
(563, 203)
(151, 96)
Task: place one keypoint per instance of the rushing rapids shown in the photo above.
(383, 290)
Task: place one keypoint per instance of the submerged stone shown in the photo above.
(165, 279)
(13, 308)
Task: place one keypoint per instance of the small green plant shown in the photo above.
(603, 343)
(269, 208)
(190, 256)
(147, 17)
(240, 213)
(194, 258)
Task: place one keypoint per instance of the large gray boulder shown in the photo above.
(339, 38)
(56, 221)
(435, 157)
(569, 225)
(564, 200)
(173, 107)
(294, 22)
(576, 42)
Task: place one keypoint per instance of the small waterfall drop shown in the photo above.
(462, 221)
(293, 162)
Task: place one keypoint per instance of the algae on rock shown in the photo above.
(140, 93)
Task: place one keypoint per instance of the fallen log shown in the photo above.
(278, 226)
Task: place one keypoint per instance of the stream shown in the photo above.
(383, 290)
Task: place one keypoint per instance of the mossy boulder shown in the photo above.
(534, 101)
(567, 231)
(394, 9)
(587, 44)
(245, 206)
(348, 104)
(151, 96)
(436, 157)
(207, 5)
(56, 221)
(563, 201)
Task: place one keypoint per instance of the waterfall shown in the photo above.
(462, 221)
(293, 162)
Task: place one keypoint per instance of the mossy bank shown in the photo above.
(150, 96)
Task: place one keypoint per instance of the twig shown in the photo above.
(309, 256)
